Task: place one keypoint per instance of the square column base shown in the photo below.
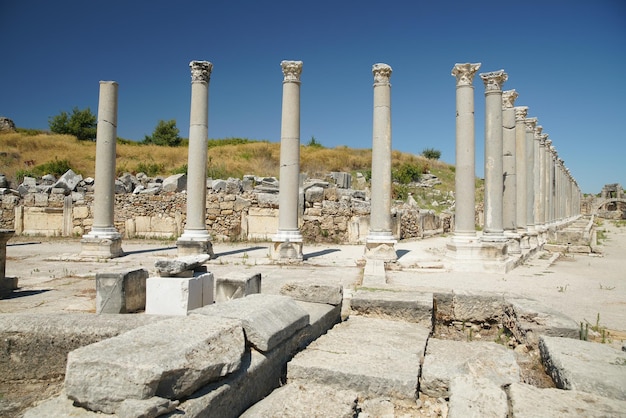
(237, 285)
(8, 284)
(194, 247)
(514, 245)
(178, 295)
(101, 246)
(483, 256)
(286, 251)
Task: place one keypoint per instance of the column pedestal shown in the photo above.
(287, 247)
(7, 284)
(101, 244)
(381, 246)
(194, 243)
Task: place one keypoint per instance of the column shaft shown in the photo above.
(520, 168)
(509, 167)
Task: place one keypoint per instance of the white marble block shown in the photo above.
(178, 295)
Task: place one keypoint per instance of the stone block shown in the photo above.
(35, 346)
(446, 359)
(406, 306)
(527, 401)
(305, 400)
(374, 357)
(584, 366)
(80, 212)
(527, 319)
(178, 295)
(472, 396)
(145, 408)
(314, 293)
(314, 194)
(267, 319)
(169, 359)
(121, 292)
(169, 268)
(175, 183)
(68, 181)
(236, 285)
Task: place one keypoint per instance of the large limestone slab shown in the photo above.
(267, 319)
(527, 319)
(585, 366)
(313, 292)
(171, 268)
(407, 306)
(468, 306)
(477, 397)
(447, 359)
(121, 291)
(237, 285)
(178, 295)
(310, 400)
(375, 357)
(169, 359)
(35, 346)
(527, 401)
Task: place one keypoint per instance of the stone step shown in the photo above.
(585, 366)
(372, 356)
(447, 359)
(407, 306)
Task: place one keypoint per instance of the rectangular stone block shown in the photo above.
(121, 292)
(35, 346)
(374, 357)
(236, 285)
(407, 306)
(267, 319)
(314, 293)
(178, 295)
(169, 359)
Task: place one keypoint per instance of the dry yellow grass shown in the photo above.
(21, 152)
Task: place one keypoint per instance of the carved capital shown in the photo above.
(200, 71)
(465, 73)
(530, 124)
(538, 130)
(508, 98)
(382, 73)
(494, 81)
(520, 113)
(291, 71)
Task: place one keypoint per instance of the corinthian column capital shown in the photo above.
(530, 123)
(494, 81)
(200, 71)
(465, 73)
(508, 98)
(382, 73)
(520, 113)
(291, 71)
(538, 130)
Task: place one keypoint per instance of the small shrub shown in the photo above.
(151, 169)
(400, 192)
(20, 174)
(313, 143)
(431, 153)
(56, 167)
(407, 173)
(180, 170)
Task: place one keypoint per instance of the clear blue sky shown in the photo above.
(565, 58)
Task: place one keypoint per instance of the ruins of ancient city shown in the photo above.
(190, 296)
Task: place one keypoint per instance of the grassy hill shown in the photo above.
(35, 154)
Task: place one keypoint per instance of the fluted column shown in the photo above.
(493, 81)
(380, 243)
(520, 169)
(509, 166)
(196, 238)
(103, 241)
(465, 177)
(287, 243)
(531, 176)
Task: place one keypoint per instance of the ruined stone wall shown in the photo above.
(331, 215)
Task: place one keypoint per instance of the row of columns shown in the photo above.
(104, 241)
(528, 189)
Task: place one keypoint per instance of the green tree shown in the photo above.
(313, 143)
(165, 133)
(80, 123)
(431, 153)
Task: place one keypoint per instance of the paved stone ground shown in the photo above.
(586, 288)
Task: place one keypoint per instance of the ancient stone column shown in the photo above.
(196, 238)
(493, 230)
(7, 284)
(103, 241)
(465, 178)
(509, 198)
(547, 199)
(520, 169)
(540, 184)
(287, 243)
(380, 243)
(531, 176)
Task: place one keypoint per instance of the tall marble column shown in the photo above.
(547, 198)
(540, 184)
(104, 241)
(287, 243)
(493, 230)
(509, 166)
(196, 238)
(465, 178)
(380, 243)
(551, 183)
(531, 179)
(520, 169)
